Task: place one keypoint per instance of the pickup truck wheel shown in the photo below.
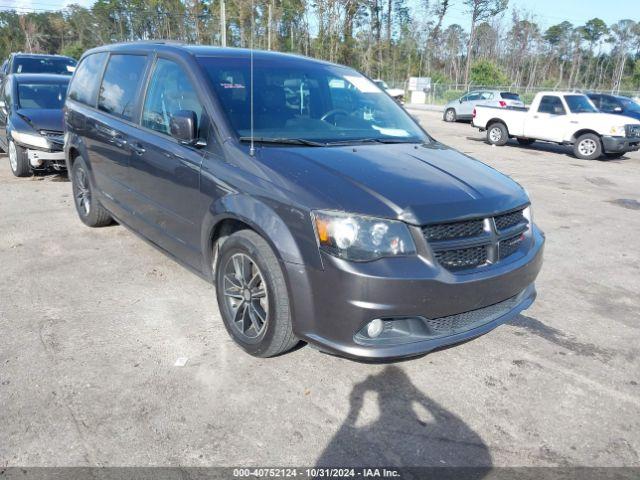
(588, 147)
(89, 208)
(19, 160)
(526, 141)
(497, 134)
(252, 295)
(450, 115)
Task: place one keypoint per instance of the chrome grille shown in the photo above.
(477, 242)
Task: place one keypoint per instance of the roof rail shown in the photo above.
(152, 42)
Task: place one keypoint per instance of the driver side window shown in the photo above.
(169, 91)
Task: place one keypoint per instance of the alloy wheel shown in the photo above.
(450, 115)
(13, 156)
(495, 134)
(83, 191)
(587, 147)
(245, 292)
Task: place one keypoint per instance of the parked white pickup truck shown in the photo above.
(564, 118)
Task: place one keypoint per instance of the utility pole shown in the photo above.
(223, 24)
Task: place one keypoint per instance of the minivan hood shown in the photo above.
(43, 119)
(417, 184)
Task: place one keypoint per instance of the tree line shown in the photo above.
(389, 39)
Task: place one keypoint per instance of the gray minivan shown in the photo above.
(318, 207)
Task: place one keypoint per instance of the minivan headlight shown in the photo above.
(360, 238)
(30, 139)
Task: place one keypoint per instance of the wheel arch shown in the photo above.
(238, 211)
(493, 121)
(584, 131)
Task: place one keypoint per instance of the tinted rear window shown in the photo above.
(121, 84)
(510, 96)
(84, 85)
(60, 66)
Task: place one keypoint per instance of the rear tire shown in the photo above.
(89, 208)
(19, 160)
(450, 115)
(497, 134)
(252, 295)
(588, 147)
(526, 141)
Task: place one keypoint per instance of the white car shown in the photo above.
(462, 108)
(564, 118)
(396, 93)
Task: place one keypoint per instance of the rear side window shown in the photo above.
(552, 105)
(510, 96)
(170, 91)
(84, 85)
(121, 84)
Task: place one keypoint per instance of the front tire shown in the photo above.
(89, 208)
(588, 147)
(497, 134)
(19, 160)
(252, 295)
(450, 115)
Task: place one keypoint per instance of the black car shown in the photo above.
(31, 123)
(38, 63)
(615, 104)
(321, 210)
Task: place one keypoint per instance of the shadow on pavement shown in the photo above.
(411, 430)
(558, 337)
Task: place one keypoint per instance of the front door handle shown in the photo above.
(137, 148)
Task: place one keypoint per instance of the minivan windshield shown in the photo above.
(54, 65)
(580, 104)
(307, 103)
(47, 96)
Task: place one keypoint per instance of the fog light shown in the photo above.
(374, 328)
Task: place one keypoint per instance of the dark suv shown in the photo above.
(320, 210)
(38, 63)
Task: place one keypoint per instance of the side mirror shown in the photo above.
(183, 126)
(558, 110)
(460, 100)
(617, 109)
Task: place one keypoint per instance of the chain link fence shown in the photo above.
(441, 93)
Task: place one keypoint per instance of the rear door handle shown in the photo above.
(137, 148)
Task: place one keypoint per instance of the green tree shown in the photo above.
(487, 73)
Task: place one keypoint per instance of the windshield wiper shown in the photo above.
(371, 140)
(284, 141)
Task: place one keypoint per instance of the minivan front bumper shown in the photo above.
(331, 307)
